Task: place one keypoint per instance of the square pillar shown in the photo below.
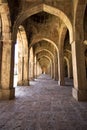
(7, 71)
(61, 81)
(79, 91)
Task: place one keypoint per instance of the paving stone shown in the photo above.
(43, 106)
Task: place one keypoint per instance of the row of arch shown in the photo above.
(7, 50)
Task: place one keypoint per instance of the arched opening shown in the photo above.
(44, 65)
(45, 8)
(68, 56)
(21, 58)
(45, 14)
(45, 47)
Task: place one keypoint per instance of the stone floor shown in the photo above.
(43, 106)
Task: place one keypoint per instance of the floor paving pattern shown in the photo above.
(43, 106)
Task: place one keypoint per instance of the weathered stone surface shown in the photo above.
(57, 27)
(43, 106)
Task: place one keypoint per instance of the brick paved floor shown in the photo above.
(43, 106)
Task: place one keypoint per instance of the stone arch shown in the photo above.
(43, 39)
(42, 53)
(6, 23)
(48, 9)
(22, 56)
(49, 41)
(44, 47)
(50, 65)
(46, 51)
(62, 37)
(46, 57)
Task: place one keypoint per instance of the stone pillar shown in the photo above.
(56, 70)
(23, 68)
(7, 71)
(31, 64)
(38, 69)
(35, 70)
(49, 70)
(70, 74)
(26, 71)
(79, 91)
(56, 67)
(0, 60)
(61, 68)
(20, 70)
(32, 67)
(53, 70)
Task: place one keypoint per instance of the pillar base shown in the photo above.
(60, 83)
(35, 76)
(79, 95)
(30, 79)
(23, 83)
(26, 83)
(7, 94)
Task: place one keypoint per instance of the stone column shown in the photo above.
(70, 75)
(53, 70)
(32, 67)
(56, 67)
(56, 70)
(7, 71)
(61, 68)
(49, 70)
(25, 71)
(0, 60)
(35, 68)
(79, 91)
(20, 70)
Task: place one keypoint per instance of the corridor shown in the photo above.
(43, 106)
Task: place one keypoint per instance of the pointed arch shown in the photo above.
(46, 8)
(44, 39)
(46, 51)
